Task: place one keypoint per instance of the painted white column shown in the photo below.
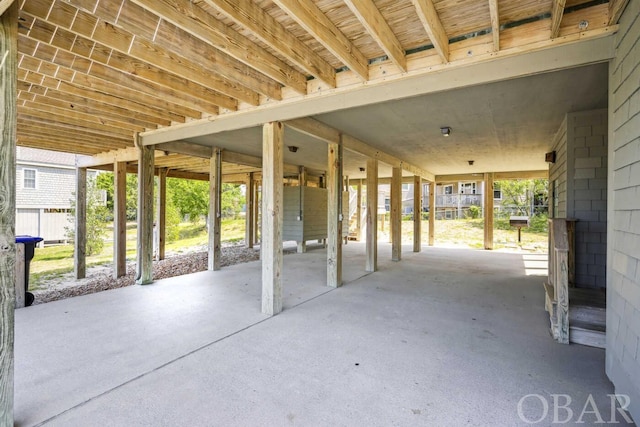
(272, 215)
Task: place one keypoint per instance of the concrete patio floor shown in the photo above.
(445, 337)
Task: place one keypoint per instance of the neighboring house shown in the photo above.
(45, 186)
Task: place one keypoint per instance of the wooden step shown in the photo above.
(592, 335)
(588, 314)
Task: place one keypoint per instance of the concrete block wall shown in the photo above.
(623, 280)
(587, 137)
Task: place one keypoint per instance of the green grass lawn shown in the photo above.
(56, 260)
(53, 261)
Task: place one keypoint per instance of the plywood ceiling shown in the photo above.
(93, 73)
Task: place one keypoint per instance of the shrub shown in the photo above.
(473, 212)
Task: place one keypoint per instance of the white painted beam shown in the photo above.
(506, 64)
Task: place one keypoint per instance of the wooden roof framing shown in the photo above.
(93, 73)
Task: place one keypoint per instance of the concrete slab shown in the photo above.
(445, 337)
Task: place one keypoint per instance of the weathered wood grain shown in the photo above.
(80, 237)
(272, 214)
(120, 219)
(162, 212)
(334, 216)
(488, 211)
(396, 214)
(432, 213)
(417, 213)
(371, 244)
(215, 214)
(8, 113)
(144, 267)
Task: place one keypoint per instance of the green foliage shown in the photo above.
(97, 215)
(519, 195)
(473, 212)
(172, 218)
(232, 200)
(539, 223)
(105, 181)
(190, 197)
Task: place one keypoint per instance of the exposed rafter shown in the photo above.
(316, 23)
(271, 32)
(495, 24)
(375, 24)
(4, 5)
(557, 11)
(616, 7)
(433, 26)
(194, 20)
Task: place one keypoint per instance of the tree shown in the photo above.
(231, 201)
(97, 213)
(190, 197)
(105, 182)
(520, 195)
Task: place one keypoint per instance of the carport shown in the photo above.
(352, 85)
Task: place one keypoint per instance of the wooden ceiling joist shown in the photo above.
(557, 11)
(494, 12)
(266, 28)
(192, 19)
(316, 23)
(616, 7)
(375, 24)
(433, 26)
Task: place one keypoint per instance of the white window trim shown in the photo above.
(494, 195)
(444, 189)
(35, 179)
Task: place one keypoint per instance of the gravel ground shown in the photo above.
(101, 278)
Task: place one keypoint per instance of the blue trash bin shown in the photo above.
(30, 243)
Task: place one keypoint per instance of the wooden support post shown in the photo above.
(161, 226)
(272, 215)
(417, 213)
(396, 214)
(359, 211)
(302, 182)
(561, 280)
(256, 212)
(119, 219)
(215, 213)
(488, 211)
(372, 216)
(334, 216)
(80, 252)
(144, 267)
(432, 213)
(249, 223)
(8, 114)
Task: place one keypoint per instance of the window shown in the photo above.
(497, 193)
(29, 178)
(405, 186)
(467, 188)
(448, 189)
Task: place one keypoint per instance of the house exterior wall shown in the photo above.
(558, 174)
(587, 138)
(623, 279)
(54, 187)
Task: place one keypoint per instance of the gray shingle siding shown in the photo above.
(623, 280)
